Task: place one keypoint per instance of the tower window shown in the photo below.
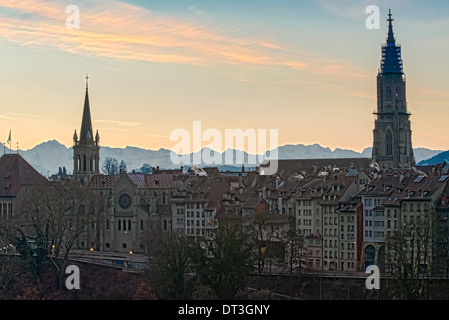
(389, 143)
(388, 93)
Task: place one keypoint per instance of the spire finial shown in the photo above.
(390, 38)
(87, 80)
(390, 20)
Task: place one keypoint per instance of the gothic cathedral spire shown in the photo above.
(86, 149)
(392, 143)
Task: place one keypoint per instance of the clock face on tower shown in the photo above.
(124, 201)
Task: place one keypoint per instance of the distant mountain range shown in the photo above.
(49, 156)
(439, 158)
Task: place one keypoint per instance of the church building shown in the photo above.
(137, 204)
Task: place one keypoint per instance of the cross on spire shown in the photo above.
(390, 20)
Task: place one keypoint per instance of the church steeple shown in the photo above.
(86, 134)
(391, 52)
(86, 149)
(392, 144)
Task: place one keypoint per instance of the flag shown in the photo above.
(9, 137)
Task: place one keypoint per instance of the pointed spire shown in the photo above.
(391, 52)
(390, 39)
(86, 124)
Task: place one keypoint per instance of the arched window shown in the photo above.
(84, 163)
(370, 254)
(119, 225)
(398, 91)
(78, 164)
(107, 224)
(389, 141)
(124, 225)
(129, 225)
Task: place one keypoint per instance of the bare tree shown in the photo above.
(410, 255)
(152, 235)
(122, 167)
(53, 216)
(110, 166)
(260, 232)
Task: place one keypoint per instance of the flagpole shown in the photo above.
(9, 140)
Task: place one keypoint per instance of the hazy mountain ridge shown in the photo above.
(439, 158)
(48, 156)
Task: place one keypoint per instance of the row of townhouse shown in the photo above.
(337, 212)
(342, 214)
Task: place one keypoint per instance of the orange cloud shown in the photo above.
(122, 31)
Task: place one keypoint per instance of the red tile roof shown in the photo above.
(141, 180)
(15, 172)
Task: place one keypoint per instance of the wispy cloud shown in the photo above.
(119, 123)
(122, 31)
(356, 9)
(26, 115)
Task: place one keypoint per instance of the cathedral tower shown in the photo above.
(392, 143)
(86, 149)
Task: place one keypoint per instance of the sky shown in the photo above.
(306, 69)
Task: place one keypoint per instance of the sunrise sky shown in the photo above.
(305, 68)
